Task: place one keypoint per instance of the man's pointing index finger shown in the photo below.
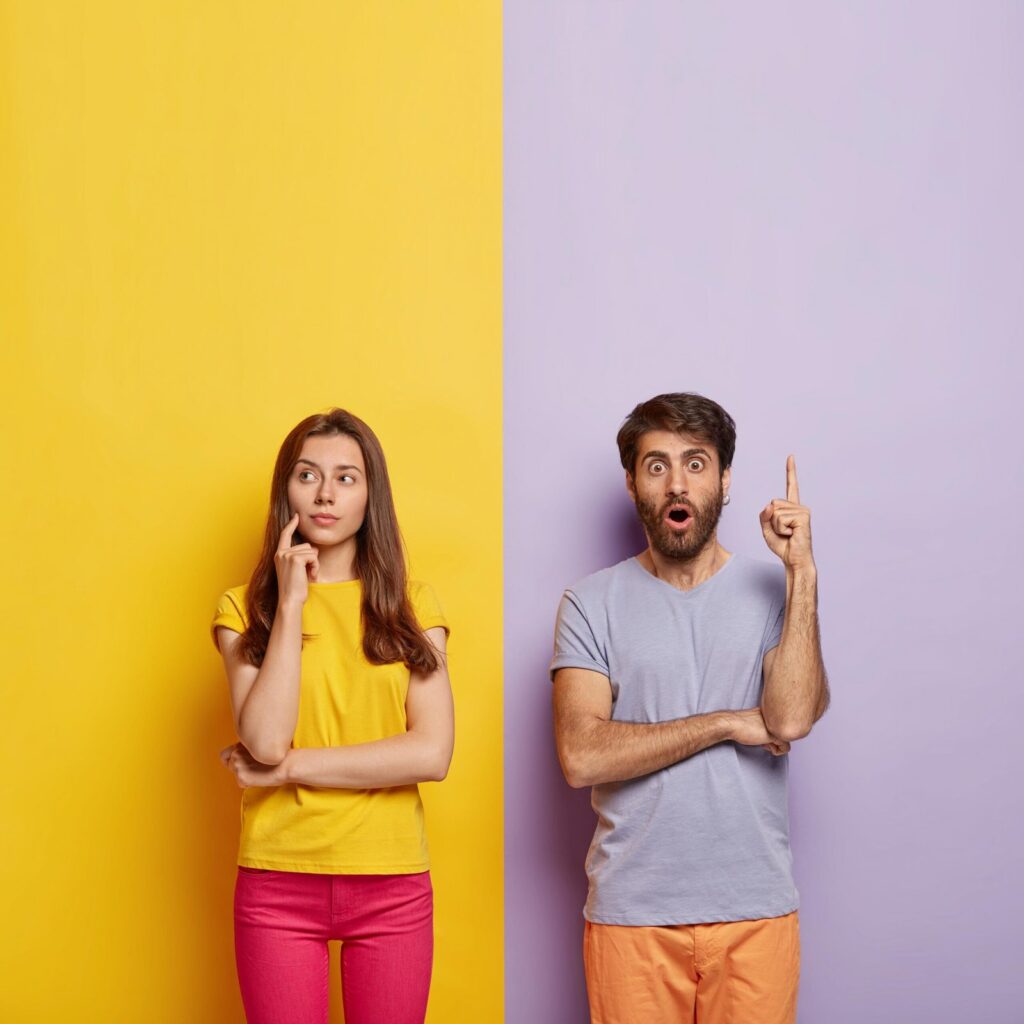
(792, 488)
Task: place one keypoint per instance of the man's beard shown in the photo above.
(680, 546)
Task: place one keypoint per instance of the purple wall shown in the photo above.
(813, 214)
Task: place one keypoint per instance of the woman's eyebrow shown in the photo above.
(310, 462)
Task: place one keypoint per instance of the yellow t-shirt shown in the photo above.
(343, 699)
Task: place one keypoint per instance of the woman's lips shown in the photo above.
(325, 520)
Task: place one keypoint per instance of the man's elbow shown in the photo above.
(799, 728)
(787, 730)
(579, 781)
(790, 732)
(576, 769)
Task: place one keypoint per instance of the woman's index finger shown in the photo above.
(286, 534)
(792, 487)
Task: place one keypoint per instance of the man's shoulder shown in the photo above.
(598, 585)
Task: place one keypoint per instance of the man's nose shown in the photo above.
(676, 481)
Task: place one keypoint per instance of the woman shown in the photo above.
(342, 704)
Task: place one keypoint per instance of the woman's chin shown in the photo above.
(327, 536)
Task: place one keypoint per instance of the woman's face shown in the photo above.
(327, 487)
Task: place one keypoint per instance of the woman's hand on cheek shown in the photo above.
(250, 772)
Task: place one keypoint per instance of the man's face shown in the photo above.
(678, 492)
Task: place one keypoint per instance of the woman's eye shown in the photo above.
(348, 479)
(306, 475)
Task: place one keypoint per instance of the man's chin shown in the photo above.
(678, 549)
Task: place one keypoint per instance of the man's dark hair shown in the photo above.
(682, 413)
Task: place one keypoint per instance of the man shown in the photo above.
(681, 677)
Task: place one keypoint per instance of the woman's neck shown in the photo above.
(338, 562)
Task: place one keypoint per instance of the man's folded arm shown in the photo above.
(592, 749)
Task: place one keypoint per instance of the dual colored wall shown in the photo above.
(218, 218)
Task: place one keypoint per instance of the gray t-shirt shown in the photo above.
(706, 839)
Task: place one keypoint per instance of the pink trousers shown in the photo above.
(283, 920)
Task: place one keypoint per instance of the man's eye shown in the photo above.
(657, 467)
(696, 465)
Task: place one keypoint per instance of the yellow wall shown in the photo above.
(216, 219)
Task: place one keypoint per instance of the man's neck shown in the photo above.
(689, 573)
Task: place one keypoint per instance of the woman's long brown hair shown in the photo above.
(390, 630)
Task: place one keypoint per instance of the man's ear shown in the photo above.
(630, 486)
(726, 480)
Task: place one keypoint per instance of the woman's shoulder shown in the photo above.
(234, 595)
(230, 611)
(426, 604)
(420, 590)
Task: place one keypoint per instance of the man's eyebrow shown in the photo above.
(667, 457)
(310, 462)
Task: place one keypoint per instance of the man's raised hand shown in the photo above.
(786, 524)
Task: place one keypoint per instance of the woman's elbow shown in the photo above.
(439, 759)
(266, 750)
(271, 756)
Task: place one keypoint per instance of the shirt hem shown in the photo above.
(305, 867)
(571, 661)
(669, 920)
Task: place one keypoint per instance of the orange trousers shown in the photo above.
(734, 972)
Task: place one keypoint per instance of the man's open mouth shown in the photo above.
(678, 515)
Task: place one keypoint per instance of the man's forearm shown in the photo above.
(606, 751)
(796, 689)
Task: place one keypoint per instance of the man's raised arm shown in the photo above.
(795, 685)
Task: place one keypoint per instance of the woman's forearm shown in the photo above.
(266, 723)
(400, 760)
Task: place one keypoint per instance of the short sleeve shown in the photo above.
(576, 645)
(230, 612)
(427, 607)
